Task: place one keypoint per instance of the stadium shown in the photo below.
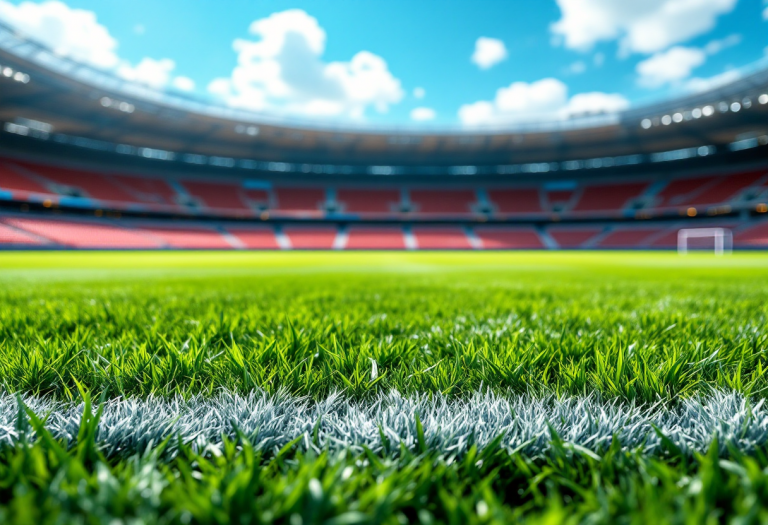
(213, 314)
(184, 175)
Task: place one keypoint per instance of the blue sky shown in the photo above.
(405, 62)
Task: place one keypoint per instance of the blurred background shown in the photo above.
(562, 124)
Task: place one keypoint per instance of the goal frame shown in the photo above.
(723, 239)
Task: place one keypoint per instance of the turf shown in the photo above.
(644, 327)
(648, 330)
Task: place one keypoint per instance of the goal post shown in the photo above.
(723, 239)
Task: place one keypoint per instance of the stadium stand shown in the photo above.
(380, 201)
(11, 179)
(441, 238)
(573, 236)
(310, 237)
(375, 238)
(753, 236)
(254, 238)
(515, 201)
(506, 238)
(82, 234)
(629, 237)
(442, 202)
(181, 237)
(217, 196)
(608, 197)
(304, 201)
(723, 189)
(10, 237)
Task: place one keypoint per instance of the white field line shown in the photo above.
(449, 426)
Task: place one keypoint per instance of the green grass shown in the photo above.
(646, 327)
(632, 326)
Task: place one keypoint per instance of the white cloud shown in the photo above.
(151, 72)
(488, 52)
(76, 33)
(543, 99)
(419, 92)
(184, 83)
(676, 64)
(139, 29)
(705, 84)
(577, 67)
(283, 71)
(765, 14)
(645, 26)
(423, 114)
(669, 66)
(598, 59)
(715, 46)
(69, 32)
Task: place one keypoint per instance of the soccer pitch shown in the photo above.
(383, 387)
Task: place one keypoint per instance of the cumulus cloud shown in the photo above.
(677, 63)
(151, 72)
(540, 100)
(698, 84)
(646, 26)
(69, 32)
(283, 71)
(577, 67)
(669, 66)
(76, 33)
(184, 83)
(715, 46)
(488, 52)
(419, 92)
(423, 114)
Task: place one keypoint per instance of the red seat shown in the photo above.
(14, 236)
(503, 238)
(676, 192)
(441, 238)
(755, 236)
(94, 185)
(311, 237)
(523, 200)
(724, 189)
(81, 234)
(300, 199)
(608, 197)
(11, 179)
(380, 201)
(255, 238)
(187, 237)
(220, 196)
(444, 202)
(147, 190)
(628, 237)
(568, 237)
(375, 238)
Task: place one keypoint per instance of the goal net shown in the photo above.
(718, 239)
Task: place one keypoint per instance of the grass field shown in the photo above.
(383, 388)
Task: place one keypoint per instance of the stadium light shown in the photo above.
(646, 123)
(677, 117)
(763, 99)
(735, 107)
(746, 102)
(708, 111)
(666, 120)
(696, 113)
